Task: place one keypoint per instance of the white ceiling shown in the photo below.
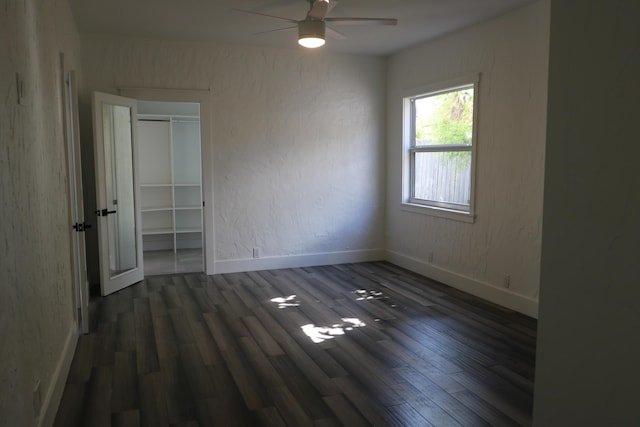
(215, 20)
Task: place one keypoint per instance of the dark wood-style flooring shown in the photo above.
(356, 344)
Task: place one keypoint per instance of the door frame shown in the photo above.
(203, 97)
(71, 128)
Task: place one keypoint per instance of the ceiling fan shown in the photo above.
(312, 29)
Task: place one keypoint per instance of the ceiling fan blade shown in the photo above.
(362, 21)
(332, 4)
(318, 10)
(293, 21)
(334, 34)
(276, 30)
(274, 4)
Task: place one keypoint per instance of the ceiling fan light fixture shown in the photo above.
(311, 34)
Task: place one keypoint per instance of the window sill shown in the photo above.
(439, 212)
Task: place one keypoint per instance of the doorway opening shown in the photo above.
(171, 193)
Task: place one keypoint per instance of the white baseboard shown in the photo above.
(497, 295)
(295, 261)
(53, 396)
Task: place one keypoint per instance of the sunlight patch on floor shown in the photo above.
(364, 294)
(371, 294)
(284, 302)
(319, 334)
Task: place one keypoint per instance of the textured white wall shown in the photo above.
(36, 299)
(297, 136)
(511, 53)
(587, 365)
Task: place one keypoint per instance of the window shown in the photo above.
(439, 146)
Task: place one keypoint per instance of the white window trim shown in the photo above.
(431, 89)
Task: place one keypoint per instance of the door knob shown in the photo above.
(104, 212)
(79, 227)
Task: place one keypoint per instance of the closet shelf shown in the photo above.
(151, 231)
(156, 209)
(155, 185)
(188, 230)
(171, 193)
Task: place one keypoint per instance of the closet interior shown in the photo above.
(170, 186)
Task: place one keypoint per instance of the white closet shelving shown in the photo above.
(170, 182)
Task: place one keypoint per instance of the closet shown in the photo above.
(170, 181)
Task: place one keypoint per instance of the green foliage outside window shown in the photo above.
(445, 119)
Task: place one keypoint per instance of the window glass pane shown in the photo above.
(444, 118)
(443, 177)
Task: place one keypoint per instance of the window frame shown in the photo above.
(431, 207)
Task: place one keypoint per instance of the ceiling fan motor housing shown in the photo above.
(310, 28)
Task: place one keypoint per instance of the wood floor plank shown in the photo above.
(441, 343)
(157, 304)
(245, 378)
(216, 412)
(181, 325)
(214, 294)
(203, 339)
(305, 363)
(205, 303)
(146, 353)
(300, 387)
(314, 350)
(345, 411)
(487, 412)
(153, 404)
(166, 345)
(196, 374)
(269, 376)
(235, 306)
(171, 296)
(71, 406)
(270, 417)
(82, 362)
(126, 331)
(350, 344)
(97, 404)
(422, 351)
(262, 336)
(288, 406)
(125, 382)
(126, 419)
(503, 397)
(105, 344)
(440, 397)
(179, 392)
(377, 382)
(405, 415)
(431, 412)
(361, 398)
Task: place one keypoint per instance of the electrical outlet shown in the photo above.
(37, 399)
(430, 257)
(256, 252)
(506, 281)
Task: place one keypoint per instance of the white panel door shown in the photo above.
(118, 210)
